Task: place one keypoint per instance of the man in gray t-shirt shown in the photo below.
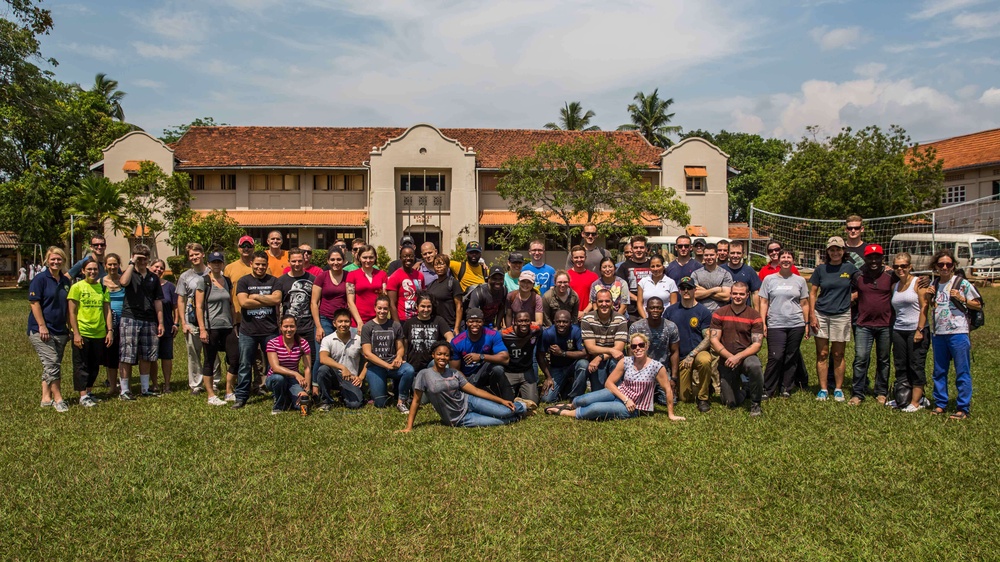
(444, 393)
(713, 281)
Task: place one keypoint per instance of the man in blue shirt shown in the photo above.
(566, 368)
(683, 265)
(693, 321)
(545, 275)
(98, 245)
(481, 355)
(742, 271)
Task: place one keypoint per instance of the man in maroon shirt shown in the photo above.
(736, 335)
(872, 286)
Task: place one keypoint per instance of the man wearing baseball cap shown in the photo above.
(695, 367)
(873, 324)
(235, 271)
(472, 271)
(490, 298)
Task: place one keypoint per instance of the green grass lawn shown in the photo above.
(175, 478)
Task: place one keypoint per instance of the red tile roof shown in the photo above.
(504, 218)
(741, 231)
(976, 149)
(298, 218)
(210, 147)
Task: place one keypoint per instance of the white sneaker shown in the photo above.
(61, 406)
(910, 408)
(230, 398)
(88, 402)
(216, 401)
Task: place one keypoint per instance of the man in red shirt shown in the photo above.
(581, 278)
(736, 334)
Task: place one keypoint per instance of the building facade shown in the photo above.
(316, 184)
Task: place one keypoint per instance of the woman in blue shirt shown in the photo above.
(47, 323)
(113, 267)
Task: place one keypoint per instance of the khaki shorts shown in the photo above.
(835, 327)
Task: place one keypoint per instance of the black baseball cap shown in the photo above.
(515, 257)
(474, 313)
(497, 270)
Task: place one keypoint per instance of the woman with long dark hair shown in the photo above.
(289, 358)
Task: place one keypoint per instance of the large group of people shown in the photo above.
(485, 345)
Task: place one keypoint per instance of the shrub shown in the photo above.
(319, 258)
(177, 264)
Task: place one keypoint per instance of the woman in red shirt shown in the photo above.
(364, 285)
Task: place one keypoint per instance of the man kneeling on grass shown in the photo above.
(459, 402)
(736, 333)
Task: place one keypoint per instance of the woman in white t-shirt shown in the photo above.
(656, 285)
(948, 299)
(910, 338)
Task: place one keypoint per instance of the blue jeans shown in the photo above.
(482, 413)
(247, 346)
(957, 348)
(600, 376)
(285, 389)
(378, 383)
(601, 405)
(568, 382)
(330, 380)
(864, 338)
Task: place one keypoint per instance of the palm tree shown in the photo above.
(649, 117)
(100, 201)
(573, 118)
(108, 89)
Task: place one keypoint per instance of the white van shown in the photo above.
(664, 245)
(977, 254)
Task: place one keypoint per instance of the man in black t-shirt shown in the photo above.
(259, 299)
(854, 246)
(633, 270)
(296, 297)
(142, 321)
(491, 298)
(523, 343)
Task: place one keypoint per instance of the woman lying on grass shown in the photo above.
(459, 403)
(633, 397)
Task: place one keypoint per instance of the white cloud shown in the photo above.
(99, 52)
(932, 8)
(976, 21)
(78, 9)
(169, 52)
(838, 38)
(146, 83)
(175, 25)
(991, 97)
(870, 70)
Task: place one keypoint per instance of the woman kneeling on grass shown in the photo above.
(638, 375)
(459, 403)
(285, 354)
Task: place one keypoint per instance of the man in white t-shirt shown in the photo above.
(340, 364)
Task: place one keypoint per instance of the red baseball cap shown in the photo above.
(873, 249)
(246, 239)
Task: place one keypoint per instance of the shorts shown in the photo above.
(166, 347)
(834, 327)
(138, 341)
(50, 354)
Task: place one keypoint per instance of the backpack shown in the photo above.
(461, 273)
(975, 318)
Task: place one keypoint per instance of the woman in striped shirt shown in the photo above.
(286, 354)
(633, 397)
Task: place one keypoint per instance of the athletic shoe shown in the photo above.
(327, 407)
(216, 401)
(822, 395)
(47, 403)
(910, 408)
(88, 402)
(838, 395)
(239, 404)
(150, 393)
(924, 402)
(196, 391)
(786, 394)
(891, 403)
(61, 406)
(704, 407)
(126, 396)
(403, 409)
(755, 410)
(275, 412)
(230, 398)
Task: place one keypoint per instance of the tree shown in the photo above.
(216, 231)
(572, 117)
(100, 202)
(649, 117)
(108, 90)
(590, 179)
(174, 134)
(869, 172)
(752, 156)
(154, 200)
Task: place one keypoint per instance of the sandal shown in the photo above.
(959, 415)
(558, 409)
(937, 411)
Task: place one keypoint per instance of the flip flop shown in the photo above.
(557, 409)
(959, 415)
(937, 411)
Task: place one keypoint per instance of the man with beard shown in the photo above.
(633, 270)
(490, 298)
(664, 343)
(479, 352)
(523, 342)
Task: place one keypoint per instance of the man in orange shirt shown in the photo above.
(277, 259)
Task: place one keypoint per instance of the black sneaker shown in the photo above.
(150, 394)
(786, 394)
(238, 404)
(704, 406)
(126, 396)
(755, 410)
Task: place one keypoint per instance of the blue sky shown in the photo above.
(762, 66)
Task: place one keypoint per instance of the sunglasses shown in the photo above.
(307, 251)
(683, 245)
(246, 246)
(98, 245)
(901, 266)
(638, 346)
(590, 234)
(945, 264)
(774, 251)
(853, 228)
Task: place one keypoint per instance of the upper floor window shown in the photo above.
(339, 183)
(421, 182)
(696, 178)
(274, 182)
(953, 194)
(227, 182)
